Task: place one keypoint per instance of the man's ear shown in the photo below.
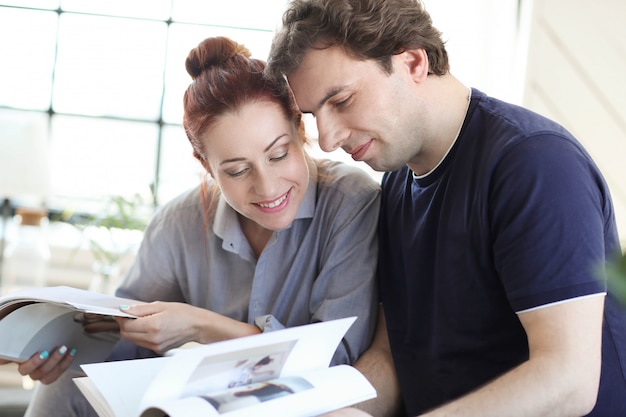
(416, 61)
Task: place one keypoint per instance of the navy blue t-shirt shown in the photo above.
(516, 216)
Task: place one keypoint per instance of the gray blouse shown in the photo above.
(321, 267)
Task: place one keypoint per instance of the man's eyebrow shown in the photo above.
(330, 94)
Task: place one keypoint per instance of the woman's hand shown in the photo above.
(95, 323)
(46, 367)
(161, 326)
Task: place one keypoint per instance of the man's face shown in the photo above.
(359, 107)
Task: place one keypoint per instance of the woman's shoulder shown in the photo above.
(335, 177)
(186, 206)
(336, 173)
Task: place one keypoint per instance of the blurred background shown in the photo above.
(91, 101)
(91, 91)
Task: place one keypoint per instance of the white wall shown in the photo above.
(576, 75)
(483, 42)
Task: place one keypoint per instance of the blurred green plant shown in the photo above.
(113, 233)
(121, 214)
(615, 271)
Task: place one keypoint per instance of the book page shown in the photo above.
(97, 401)
(307, 347)
(308, 395)
(36, 327)
(233, 369)
(83, 300)
(122, 384)
(131, 386)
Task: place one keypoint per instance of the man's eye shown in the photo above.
(344, 102)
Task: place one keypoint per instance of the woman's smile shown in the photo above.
(274, 205)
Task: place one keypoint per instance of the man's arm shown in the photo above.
(377, 366)
(562, 375)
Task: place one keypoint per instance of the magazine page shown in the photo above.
(93, 395)
(215, 373)
(36, 327)
(75, 298)
(248, 359)
(307, 395)
(119, 386)
(131, 386)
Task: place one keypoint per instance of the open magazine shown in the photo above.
(42, 318)
(280, 373)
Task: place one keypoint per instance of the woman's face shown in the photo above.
(257, 158)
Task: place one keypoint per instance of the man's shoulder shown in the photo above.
(502, 117)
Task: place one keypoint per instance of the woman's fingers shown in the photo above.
(47, 367)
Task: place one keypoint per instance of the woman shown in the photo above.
(272, 239)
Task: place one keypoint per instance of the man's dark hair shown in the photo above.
(366, 29)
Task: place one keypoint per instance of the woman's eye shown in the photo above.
(237, 174)
(280, 157)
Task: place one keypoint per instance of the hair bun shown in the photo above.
(213, 51)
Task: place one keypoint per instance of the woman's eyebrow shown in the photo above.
(227, 161)
(273, 143)
(238, 159)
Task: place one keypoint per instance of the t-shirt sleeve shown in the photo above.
(548, 203)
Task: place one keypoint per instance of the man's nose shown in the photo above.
(332, 134)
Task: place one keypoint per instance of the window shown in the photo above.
(103, 80)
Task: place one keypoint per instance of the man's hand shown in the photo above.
(376, 364)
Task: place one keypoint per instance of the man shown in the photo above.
(494, 221)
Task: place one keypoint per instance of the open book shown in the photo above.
(280, 373)
(43, 318)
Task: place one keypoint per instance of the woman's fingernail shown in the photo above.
(124, 307)
(73, 352)
(44, 355)
(62, 350)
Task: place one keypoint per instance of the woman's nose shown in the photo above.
(264, 183)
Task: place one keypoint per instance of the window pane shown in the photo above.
(185, 37)
(109, 66)
(94, 158)
(39, 4)
(148, 9)
(27, 43)
(24, 156)
(180, 171)
(254, 14)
